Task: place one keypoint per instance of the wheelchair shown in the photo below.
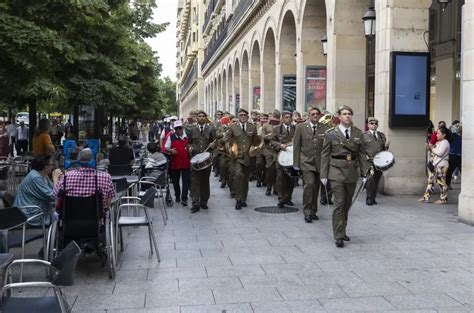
(83, 220)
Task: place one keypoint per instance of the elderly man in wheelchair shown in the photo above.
(84, 196)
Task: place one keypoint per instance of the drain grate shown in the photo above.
(276, 210)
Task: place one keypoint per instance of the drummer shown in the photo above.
(202, 137)
(374, 142)
(283, 137)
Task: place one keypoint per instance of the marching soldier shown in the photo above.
(269, 153)
(307, 147)
(374, 142)
(343, 160)
(242, 135)
(223, 154)
(260, 159)
(201, 137)
(215, 155)
(282, 138)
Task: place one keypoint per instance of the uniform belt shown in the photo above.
(347, 157)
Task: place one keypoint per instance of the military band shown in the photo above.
(327, 151)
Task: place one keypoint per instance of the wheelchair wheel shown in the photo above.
(110, 247)
(52, 242)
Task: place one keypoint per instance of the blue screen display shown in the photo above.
(410, 92)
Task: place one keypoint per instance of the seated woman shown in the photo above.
(37, 189)
(155, 161)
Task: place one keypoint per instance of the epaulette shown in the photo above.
(330, 129)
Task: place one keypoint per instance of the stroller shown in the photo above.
(156, 170)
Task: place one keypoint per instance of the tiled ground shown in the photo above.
(403, 257)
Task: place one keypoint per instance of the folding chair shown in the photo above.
(60, 273)
(144, 220)
(144, 184)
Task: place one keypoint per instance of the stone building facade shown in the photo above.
(266, 54)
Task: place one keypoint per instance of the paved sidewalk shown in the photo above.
(403, 257)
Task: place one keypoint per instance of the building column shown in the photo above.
(445, 91)
(466, 198)
(346, 58)
(399, 27)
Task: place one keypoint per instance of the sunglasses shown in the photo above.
(373, 123)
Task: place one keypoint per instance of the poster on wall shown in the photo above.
(315, 87)
(256, 98)
(289, 93)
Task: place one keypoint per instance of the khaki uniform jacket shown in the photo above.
(222, 147)
(373, 146)
(281, 136)
(198, 142)
(267, 134)
(307, 147)
(336, 145)
(243, 141)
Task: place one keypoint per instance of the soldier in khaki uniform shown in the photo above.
(243, 135)
(282, 138)
(223, 155)
(343, 160)
(201, 137)
(215, 155)
(307, 147)
(374, 142)
(266, 159)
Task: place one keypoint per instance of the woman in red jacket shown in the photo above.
(175, 145)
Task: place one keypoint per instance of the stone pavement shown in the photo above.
(403, 257)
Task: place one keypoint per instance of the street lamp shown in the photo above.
(324, 41)
(369, 22)
(443, 4)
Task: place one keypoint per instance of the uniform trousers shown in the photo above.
(241, 181)
(231, 175)
(343, 193)
(224, 168)
(200, 190)
(285, 184)
(373, 184)
(311, 182)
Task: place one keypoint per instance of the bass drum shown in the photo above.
(285, 159)
(201, 161)
(384, 160)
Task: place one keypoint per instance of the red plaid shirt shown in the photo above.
(81, 183)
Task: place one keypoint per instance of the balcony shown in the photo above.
(190, 79)
(229, 27)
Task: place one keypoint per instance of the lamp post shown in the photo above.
(369, 22)
(443, 4)
(324, 41)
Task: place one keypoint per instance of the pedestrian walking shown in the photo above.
(455, 152)
(22, 138)
(11, 129)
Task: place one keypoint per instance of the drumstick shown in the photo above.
(208, 147)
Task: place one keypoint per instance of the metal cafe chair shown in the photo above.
(12, 220)
(140, 220)
(60, 273)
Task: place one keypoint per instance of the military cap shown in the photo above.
(345, 107)
(372, 119)
(241, 110)
(276, 113)
(314, 107)
(285, 112)
(264, 115)
(219, 111)
(201, 112)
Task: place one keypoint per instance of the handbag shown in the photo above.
(431, 166)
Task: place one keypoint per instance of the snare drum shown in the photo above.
(285, 159)
(201, 161)
(384, 160)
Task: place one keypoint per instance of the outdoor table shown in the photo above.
(131, 180)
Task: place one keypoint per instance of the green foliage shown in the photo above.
(81, 52)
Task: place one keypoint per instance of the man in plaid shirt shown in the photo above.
(81, 182)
